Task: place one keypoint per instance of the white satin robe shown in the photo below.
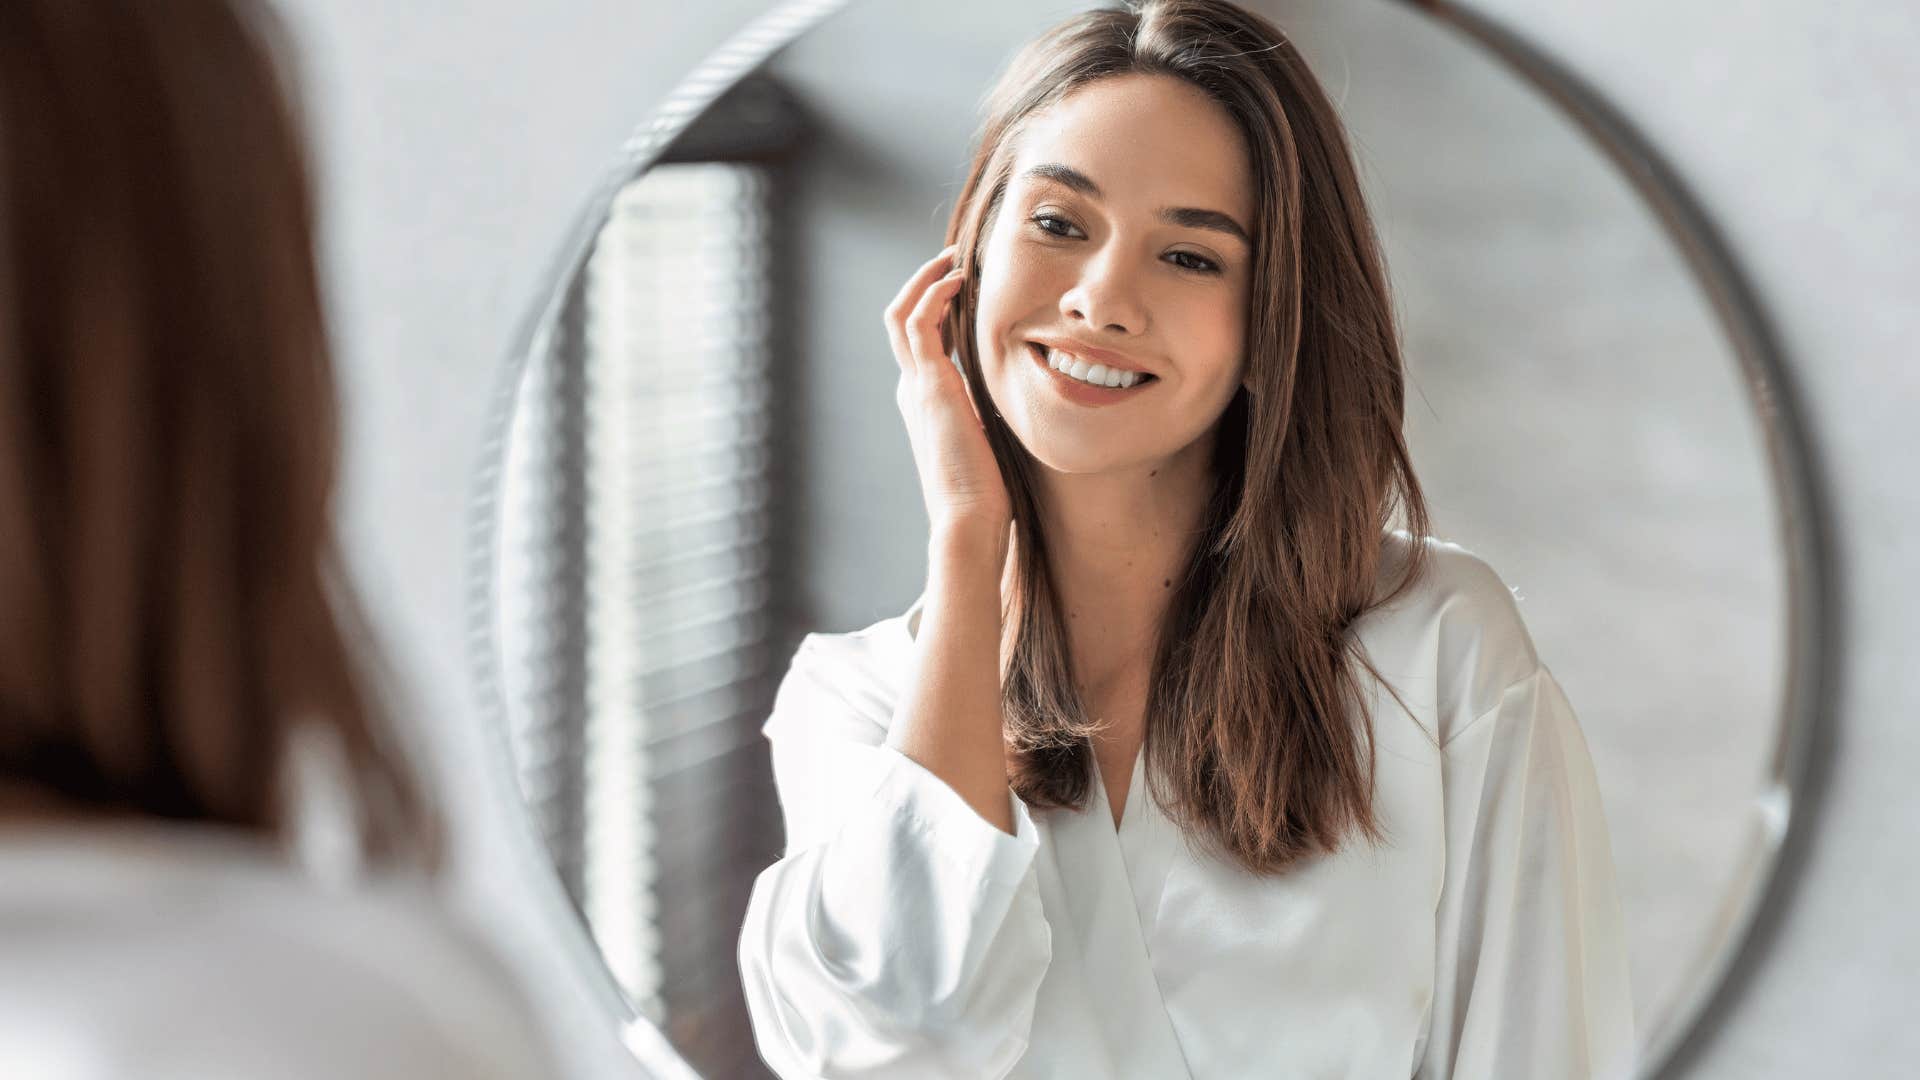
(902, 935)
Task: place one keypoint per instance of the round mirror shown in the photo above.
(698, 460)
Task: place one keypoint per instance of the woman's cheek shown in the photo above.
(988, 321)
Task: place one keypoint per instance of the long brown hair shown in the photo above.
(1256, 717)
(169, 429)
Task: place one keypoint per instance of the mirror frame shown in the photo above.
(1783, 811)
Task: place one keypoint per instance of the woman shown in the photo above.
(1185, 764)
(177, 625)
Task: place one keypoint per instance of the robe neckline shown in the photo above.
(1117, 879)
(1145, 841)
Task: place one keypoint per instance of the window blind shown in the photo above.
(642, 594)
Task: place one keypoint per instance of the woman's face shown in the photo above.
(1118, 232)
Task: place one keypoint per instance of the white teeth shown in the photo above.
(1096, 374)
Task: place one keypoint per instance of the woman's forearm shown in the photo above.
(949, 718)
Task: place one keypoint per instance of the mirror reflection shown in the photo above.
(763, 563)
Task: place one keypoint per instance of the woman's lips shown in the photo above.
(1083, 393)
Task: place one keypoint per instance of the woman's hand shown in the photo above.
(959, 477)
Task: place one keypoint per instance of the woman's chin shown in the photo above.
(1080, 461)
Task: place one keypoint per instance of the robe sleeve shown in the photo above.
(902, 933)
(1532, 966)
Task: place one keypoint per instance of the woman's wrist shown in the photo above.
(968, 549)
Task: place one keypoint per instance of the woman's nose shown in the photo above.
(1106, 296)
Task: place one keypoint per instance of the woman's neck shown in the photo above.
(1117, 545)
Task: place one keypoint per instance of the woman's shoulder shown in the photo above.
(1454, 638)
(104, 925)
(1457, 589)
(850, 680)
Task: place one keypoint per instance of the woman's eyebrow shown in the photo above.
(1188, 217)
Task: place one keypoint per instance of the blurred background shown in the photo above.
(457, 153)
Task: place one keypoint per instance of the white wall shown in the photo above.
(457, 141)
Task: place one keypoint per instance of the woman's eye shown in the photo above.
(1207, 266)
(1042, 219)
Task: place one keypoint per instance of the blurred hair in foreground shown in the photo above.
(169, 431)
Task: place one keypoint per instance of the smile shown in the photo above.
(1079, 391)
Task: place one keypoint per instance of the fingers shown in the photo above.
(904, 303)
(923, 326)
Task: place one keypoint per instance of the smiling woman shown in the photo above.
(1259, 757)
(1140, 149)
(1119, 271)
